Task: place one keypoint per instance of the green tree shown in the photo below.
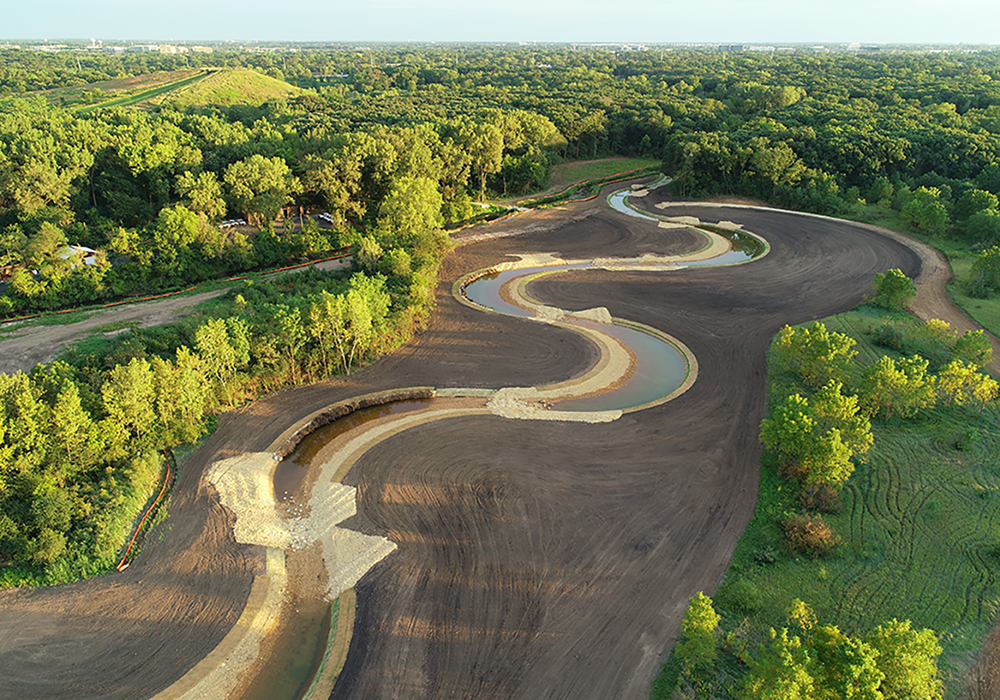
(13, 244)
(182, 396)
(412, 208)
(260, 187)
(849, 665)
(898, 387)
(176, 228)
(815, 442)
(327, 319)
(986, 269)
(697, 647)
(368, 253)
(43, 245)
(974, 348)
(983, 227)
(958, 383)
(908, 658)
(73, 434)
(202, 193)
(832, 409)
(893, 290)
(292, 336)
(926, 211)
(224, 346)
(129, 402)
(484, 142)
(973, 201)
(814, 353)
(784, 671)
(789, 431)
(802, 615)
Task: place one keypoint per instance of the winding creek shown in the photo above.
(656, 368)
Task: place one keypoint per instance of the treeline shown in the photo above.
(803, 660)
(147, 192)
(79, 438)
(916, 136)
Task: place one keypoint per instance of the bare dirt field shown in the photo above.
(535, 559)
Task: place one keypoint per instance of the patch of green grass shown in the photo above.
(50, 319)
(74, 93)
(919, 529)
(579, 171)
(985, 312)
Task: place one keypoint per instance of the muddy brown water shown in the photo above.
(291, 471)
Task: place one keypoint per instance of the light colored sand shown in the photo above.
(246, 489)
(466, 392)
(528, 403)
(348, 555)
(730, 226)
(599, 314)
(534, 260)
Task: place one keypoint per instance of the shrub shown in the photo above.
(765, 555)
(893, 290)
(887, 336)
(810, 534)
(967, 440)
(745, 597)
(820, 497)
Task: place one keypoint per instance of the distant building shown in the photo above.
(78, 253)
(200, 49)
(143, 48)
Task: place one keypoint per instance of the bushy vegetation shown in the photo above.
(79, 438)
(907, 536)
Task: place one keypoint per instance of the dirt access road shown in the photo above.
(536, 560)
(28, 345)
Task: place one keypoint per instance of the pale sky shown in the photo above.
(649, 21)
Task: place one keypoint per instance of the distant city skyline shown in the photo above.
(639, 21)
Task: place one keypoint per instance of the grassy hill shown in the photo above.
(184, 88)
(227, 87)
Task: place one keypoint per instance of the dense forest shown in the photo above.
(918, 134)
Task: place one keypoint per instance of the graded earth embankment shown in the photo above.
(535, 559)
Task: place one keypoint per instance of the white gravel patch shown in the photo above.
(599, 314)
(528, 403)
(245, 488)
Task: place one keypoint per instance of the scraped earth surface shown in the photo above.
(535, 559)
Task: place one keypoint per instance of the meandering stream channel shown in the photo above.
(659, 366)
